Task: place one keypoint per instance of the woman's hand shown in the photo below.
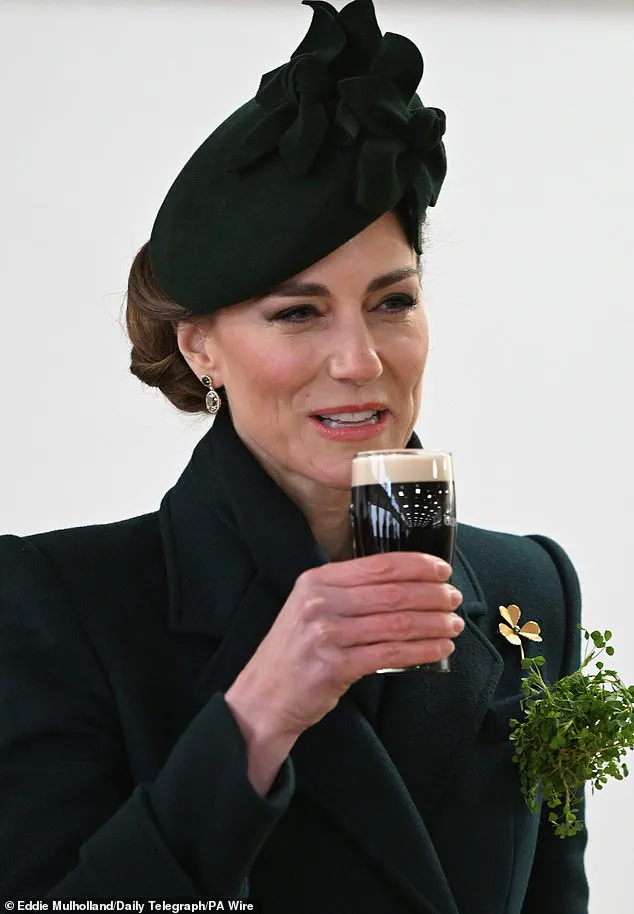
(343, 621)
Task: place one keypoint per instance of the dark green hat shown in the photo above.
(332, 140)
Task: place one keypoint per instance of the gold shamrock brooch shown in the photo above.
(512, 631)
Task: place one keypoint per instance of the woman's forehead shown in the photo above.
(380, 249)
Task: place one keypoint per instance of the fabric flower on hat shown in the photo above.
(332, 139)
(348, 84)
(400, 137)
(293, 96)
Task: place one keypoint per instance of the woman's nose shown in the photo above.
(354, 357)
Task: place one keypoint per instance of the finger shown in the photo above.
(392, 596)
(375, 569)
(362, 661)
(397, 626)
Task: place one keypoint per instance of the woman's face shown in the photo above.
(347, 334)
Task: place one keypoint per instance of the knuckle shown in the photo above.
(431, 650)
(380, 566)
(435, 625)
(336, 670)
(393, 654)
(324, 654)
(310, 577)
(338, 663)
(317, 575)
(431, 564)
(314, 607)
(432, 596)
(399, 625)
(303, 583)
(444, 647)
(322, 631)
(394, 595)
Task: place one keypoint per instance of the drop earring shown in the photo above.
(212, 400)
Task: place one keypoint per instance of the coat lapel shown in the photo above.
(234, 546)
(428, 722)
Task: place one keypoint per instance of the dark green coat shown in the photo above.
(123, 773)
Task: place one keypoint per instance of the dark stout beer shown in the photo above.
(404, 501)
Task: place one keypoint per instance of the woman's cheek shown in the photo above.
(286, 373)
(410, 355)
(271, 368)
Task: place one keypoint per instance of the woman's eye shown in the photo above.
(396, 303)
(301, 314)
(297, 315)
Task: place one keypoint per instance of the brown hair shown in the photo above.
(151, 319)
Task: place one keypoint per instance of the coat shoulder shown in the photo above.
(93, 566)
(536, 573)
(130, 540)
(524, 560)
(129, 535)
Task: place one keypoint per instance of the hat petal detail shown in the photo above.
(358, 20)
(426, 128)
(376, 104)
(272, 91)
(303, 139)
(325, 38)
(321, 5)
(435, 170)
(378, 186)
(415, 131)
(347, 122)
(373, 104)
(297, 123)
(298, 154)
(399, 61)
(262, 139)
(304, 78)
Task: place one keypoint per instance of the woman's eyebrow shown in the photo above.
(293, 289)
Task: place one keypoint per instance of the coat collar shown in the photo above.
(226, 512)
(234, 545)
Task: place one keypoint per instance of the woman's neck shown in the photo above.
(326, 508)
(327, 511)
(331, 529)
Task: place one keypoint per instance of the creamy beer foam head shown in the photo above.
(412, 465)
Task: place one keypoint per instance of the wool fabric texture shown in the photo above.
(332, 140)
(123, 773)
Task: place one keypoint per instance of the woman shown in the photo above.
(188, 700)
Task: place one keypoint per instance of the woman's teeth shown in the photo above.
(341, 419)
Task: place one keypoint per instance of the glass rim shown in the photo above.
(413, 452)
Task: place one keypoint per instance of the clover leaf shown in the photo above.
(578, 729)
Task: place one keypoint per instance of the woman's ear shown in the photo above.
(198, 349)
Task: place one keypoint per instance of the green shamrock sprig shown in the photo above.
(576, 730)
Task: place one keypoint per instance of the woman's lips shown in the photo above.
(354, 432)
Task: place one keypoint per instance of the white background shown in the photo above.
(528, 273)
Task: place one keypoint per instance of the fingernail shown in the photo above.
(457, 623)
(455, 595)
(444, 569)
